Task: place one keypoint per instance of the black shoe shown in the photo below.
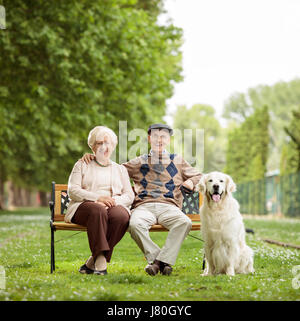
(85, 270)
(152, 269)
(103, 272)
(165, 268)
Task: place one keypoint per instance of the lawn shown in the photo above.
(25, 256)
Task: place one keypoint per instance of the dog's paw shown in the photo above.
(230, 271)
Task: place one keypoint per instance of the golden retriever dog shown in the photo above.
(222, 227)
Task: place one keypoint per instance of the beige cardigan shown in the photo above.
(82, 186)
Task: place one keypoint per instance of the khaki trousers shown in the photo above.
(169, 216)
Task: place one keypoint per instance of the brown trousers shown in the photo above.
(105, 227)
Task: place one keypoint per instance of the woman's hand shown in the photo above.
(107, 201)
(87, 158)
(102, 204)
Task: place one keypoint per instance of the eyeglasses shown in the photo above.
(101, 143)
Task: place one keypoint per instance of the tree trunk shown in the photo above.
(2, 205)
(28, 198)
(24, 201)
(17, 200)
(43, 198)
(10, 195)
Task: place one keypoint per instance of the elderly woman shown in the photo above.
(101, 195)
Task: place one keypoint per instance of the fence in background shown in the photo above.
(271, 195)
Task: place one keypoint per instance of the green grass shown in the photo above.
(25, 255)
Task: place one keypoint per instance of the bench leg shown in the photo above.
(52, 251)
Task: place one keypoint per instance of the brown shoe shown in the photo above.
(152, 269)
(165, 268)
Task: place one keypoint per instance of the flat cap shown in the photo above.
(160, 126)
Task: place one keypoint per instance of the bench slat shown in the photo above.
(193, 217)
(57, 209)
(59, 218)
(63, 226)
(61, 187)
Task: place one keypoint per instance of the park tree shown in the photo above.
(281, 98)
(290, 168)
(202, 117)
(247, 150)
(290, 156)
(246, 160)
(67, 66)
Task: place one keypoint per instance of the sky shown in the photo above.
(232, 45)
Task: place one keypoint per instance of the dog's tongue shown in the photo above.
(216, 197)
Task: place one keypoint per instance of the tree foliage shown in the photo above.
(290, 156)
(247, 151)
(203, 117)
(281, 98)
(67, 66)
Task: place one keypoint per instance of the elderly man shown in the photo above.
(157, 178)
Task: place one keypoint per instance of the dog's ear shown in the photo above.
(230, 186)
(201, 186)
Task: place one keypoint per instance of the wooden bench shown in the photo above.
(60, 200)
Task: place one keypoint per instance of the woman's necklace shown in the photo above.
(101, 164)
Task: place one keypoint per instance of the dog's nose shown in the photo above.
(216, 186)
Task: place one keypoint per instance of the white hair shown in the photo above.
(99, 132)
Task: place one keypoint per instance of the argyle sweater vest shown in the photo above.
(158, 179)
